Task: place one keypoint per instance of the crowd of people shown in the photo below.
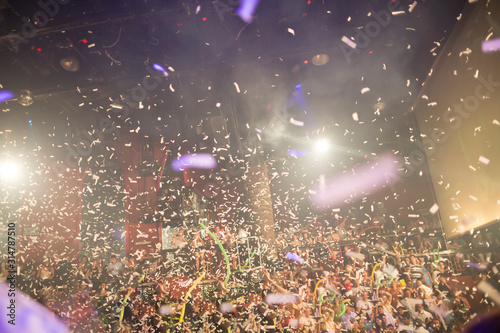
(333, 278)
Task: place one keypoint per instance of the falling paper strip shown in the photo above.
(246, 10)
(412, 6)
(293, 256)
(484, 160)
(290, 30)
(492, 45)
(349, 42)
(434, 209)
(281, 299)
(365, 90)
(355, 116)
(198, 161)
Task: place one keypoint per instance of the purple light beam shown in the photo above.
(490, 46)
(5, 95)
(195, 161)
(246, 10)
(360, 181)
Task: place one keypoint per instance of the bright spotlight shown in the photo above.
(9, 171)
(322, 145)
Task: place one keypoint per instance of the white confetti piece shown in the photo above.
(434, 209)
(412, 6)
(484, 160)
(355, 116)
(290, 30)
(365, 90)
(349, 42)
(237, 87)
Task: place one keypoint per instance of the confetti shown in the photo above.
(484, 160)
(433, 210)
(349, 42)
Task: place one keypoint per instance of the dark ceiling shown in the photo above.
(212, 57)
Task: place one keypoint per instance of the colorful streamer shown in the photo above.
(434, 256)
(125, 299)
(228, 266)
(183, 311)
(384, 284)
(315, 289)
(246, 263)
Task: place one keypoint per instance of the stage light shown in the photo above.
(25, 98)
(9, 171)
(320, 59)
(71, 64)
(322, 146)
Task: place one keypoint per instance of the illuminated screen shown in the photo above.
(458, 113)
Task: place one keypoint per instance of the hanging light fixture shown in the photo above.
(25, 98)
(71, 64)
(320, 59)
